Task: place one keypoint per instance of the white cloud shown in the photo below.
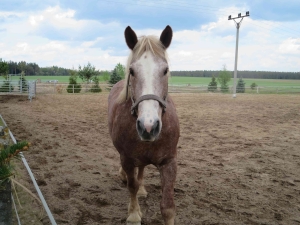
(88, 44)
(54, 36)
(22, 46)
(290, 46)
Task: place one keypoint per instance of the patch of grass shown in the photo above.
(204, 81)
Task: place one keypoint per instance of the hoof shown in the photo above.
(134, 218)
(133, 223)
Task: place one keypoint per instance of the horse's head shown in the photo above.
(147, 80)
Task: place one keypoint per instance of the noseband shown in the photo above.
(135, 104)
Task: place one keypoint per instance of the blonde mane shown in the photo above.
(145, 43)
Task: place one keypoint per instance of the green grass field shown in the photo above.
(194, 81)
(204, 81)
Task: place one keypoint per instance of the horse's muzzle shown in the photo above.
(146, 131)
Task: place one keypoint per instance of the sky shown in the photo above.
(71, 33)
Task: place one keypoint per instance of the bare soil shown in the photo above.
(238, 159)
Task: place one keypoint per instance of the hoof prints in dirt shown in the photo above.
(235, 167)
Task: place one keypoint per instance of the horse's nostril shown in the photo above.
(140, 127)
(155, 128)
(147, 132)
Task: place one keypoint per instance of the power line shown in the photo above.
(208, 10)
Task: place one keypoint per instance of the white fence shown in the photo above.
(256, 90)
(13, 86)
(34, 88)
(63, 88)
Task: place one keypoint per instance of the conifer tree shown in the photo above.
(213, 85)
(240, 87)
(114, 77)
(253, 86)
(73, 87)
(96, 88)
(223, 78)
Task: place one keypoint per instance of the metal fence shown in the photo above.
(256, 90)
(32, 88)
(63, 88)
(41, 197)
(7, 86)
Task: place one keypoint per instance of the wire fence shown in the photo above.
(256, 90)
(14, 87)
(20, 218)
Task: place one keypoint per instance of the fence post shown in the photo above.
(257, 90)
(73, 88)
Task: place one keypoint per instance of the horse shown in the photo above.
(143, 123)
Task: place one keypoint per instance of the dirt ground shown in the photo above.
(238, 159)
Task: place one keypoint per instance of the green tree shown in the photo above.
(3, 68)
(223, 78)
(213, 85)
(96, 88)
(240, 87)
(120, 70)
(6, 87)
(105, 75)
(73, 87)
(114, 77)
(87, 72)
(22, 66)
(253, 86)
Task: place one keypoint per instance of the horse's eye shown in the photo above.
(131, 72)
(166, 71)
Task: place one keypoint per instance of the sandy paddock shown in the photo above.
(238, 159)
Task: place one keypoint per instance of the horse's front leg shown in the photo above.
(140, 176)
(168, 176)
(134, 211)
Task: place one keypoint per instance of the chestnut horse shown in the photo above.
(143, 123)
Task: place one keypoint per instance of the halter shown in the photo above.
(135, 104)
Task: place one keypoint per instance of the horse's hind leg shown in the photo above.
(168, 175)
(134, 211)
(140, 176)
(122, 175)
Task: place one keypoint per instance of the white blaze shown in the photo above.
(148, 109)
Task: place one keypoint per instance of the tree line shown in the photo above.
(34, 69)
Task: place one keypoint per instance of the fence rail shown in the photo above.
(256, 90)
(64, 88)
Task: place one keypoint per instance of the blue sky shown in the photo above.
(72, 33)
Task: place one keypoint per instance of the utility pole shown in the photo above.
(238, 25)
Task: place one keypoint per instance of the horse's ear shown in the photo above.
(166, 36)
(130, 37)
